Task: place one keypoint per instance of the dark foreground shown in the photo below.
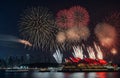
(36, 74)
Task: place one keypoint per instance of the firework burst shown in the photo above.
(78, 52)
(91, 53)
(62, 19)
(58, 56)
(73, 34)
(37, 26)
(78, 16)
(113, 51)
(94, 52)
(61, 37)
(106, 34)
(84, 33)
(99, 51)
(113, 19)
(25, 42)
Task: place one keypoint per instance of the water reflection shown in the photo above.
(56, 75)
(77, 75)
(15, 75)
(48, 75)
(101, 75)
(40, 75)
(61, 75)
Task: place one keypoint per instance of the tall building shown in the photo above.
(27, 58)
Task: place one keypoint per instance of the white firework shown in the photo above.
(99, 52)
(91, 53)
(78, 52)
(58, 56)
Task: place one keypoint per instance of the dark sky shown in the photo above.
(10, 11)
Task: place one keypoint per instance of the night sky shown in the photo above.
(11, 10)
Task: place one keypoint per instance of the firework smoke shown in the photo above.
(106, 34)
(37, 26)
(58, 56)
(78, 16)
(10, 38)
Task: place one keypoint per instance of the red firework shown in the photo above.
(78, 16)
(62, 19)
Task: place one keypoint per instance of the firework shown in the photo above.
(113, 19)
(58, 56)
(84, 33)
(78, 52)
(91, 53)
(99, 51)
(61, 37)
(73, 34)
(113, 51)
(106, 34)
(62, 19)
(24, 42)
(78, 16)
(94, 52)
(37, 26)
(10, 38)
(77, 34)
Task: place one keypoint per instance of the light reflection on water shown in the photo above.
(61, 75)
(48, 75)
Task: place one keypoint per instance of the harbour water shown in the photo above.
(59, 75)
